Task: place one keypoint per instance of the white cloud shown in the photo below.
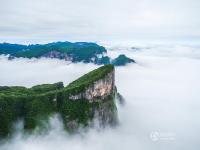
(27, 72)
(161, 92)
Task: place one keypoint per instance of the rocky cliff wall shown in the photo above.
(98, 90)
(99, 101)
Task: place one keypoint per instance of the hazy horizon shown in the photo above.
(44, 21)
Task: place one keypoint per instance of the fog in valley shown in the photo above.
(161, 91)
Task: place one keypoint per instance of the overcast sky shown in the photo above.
(96, 20)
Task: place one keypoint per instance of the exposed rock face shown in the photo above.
(99, 90)
(106, 114)
(120, 99)
(59, 55)
(101, 94)
(97, 58)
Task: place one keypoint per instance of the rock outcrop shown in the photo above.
(58, 55)
(89, 98)
(99, 89)
(98, 94)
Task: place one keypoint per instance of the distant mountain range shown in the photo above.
(75, 52)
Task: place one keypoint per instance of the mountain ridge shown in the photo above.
(96, 99)
(86, 52)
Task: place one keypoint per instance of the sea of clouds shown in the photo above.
(162, 100)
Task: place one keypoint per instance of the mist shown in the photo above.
(161, 93)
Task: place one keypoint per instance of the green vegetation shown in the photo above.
(82, 111)
(10, 109)
(104, 60)
(122, 60)
(47, 87)
(22, 91)
(88, 79)
(35, 105)
(12, 49)
(37, 109)
(76, 52)
(79, 51)
(29, 103)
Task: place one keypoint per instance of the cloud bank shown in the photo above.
(162, 99)
(48, 20)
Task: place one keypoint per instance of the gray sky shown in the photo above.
(32, 21)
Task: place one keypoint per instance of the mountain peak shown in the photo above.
(91, 86)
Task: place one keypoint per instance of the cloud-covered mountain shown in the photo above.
(161, 93)
(74, 52)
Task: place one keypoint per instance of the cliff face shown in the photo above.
(98, 97)
(99, 89)
(103, 93)
(89, 98)
(58, 55)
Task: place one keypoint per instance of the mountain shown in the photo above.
(91, 96)
(122, 60)
(75, 52)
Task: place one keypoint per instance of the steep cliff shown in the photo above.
(89, 98)
(96, 92)
(100, 88)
